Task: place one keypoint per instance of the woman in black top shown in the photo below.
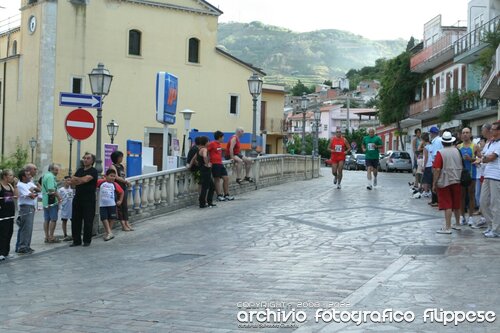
(206, 181)
(8, 192)
(117, 159)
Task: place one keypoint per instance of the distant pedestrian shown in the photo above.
(85, 182)
(27, 201)
(447, 167)
(108, 202)
(122, 209)
(8, 194)
(218, 169)
(427, 166)
(417, 151)
(233, 153)
(207, 184)
(66, 193)
(338, 148)
(436, 146)
(50, 202)
(371, 145)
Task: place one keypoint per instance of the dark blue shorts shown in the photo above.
(427, 177)
(372, 163)
(108, 213)
(219, 170)
(50, 213)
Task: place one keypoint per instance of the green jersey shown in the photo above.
(370, 144)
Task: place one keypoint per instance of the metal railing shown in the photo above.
(476, 37)
(438, 47)
(427, 104)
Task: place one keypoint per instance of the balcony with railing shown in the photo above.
(274, 125)
(435, 54)
(472, 106)
(467, 47)
(490, 84)
(427, 108)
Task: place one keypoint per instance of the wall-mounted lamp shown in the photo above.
(449, 75)
(433, 82)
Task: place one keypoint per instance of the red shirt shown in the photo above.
(438, 161)
(215, 152)
(236, 148)
(337, 146)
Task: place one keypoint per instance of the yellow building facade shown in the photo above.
(60, 42)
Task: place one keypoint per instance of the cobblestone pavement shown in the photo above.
(303, 243)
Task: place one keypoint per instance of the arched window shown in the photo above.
(194, 50)
(134, 42)
(14, 48)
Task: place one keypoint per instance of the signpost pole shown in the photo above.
(98, 162)
(165, 146)
(78, 147)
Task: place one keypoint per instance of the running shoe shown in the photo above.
(491, 234)
(444, 231)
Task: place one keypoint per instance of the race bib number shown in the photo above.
(338, 148)
(371, 146)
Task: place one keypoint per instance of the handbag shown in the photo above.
(465, 177)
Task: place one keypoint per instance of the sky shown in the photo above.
(373, 19)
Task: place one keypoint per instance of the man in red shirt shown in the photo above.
(338, 147)
(218, 170)
(446, 169)
(234, 153)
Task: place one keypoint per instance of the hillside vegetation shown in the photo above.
(312, 57)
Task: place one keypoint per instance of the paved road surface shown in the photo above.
(198, 270)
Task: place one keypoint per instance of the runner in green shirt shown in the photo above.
(371, 144)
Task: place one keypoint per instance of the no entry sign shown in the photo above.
(79, 124)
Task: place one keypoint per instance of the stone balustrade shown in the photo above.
(165, 191)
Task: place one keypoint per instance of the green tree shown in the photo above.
(299, 89)
(16, 160)
(397, 91)
(411, 44)
(328, 83)
(451, 106)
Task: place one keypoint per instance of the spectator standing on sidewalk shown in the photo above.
(27, 199)
(490, 189)
(427, 165)
(108, 202)
(447, 168)
(338, 148)
(486, 138)
(436, 146)
(234, 153)
(417, 151)
(371, 145)
(50, 202)
(8, 193)
(66, 193)
(468, 151)
(207, 184)
(85, 182)
(122, 209)
(218, 170)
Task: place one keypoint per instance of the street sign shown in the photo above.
(79, 124)
(80, 100)
(166, 97)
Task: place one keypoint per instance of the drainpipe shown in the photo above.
(3, 97)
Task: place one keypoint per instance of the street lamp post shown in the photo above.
(70, 140)
(100, 82)
(187, 119)
(303, 106)
(317, 119)
(112, 128)
(32, 143)
(255, 87)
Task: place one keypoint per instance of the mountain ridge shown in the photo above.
(312, 57)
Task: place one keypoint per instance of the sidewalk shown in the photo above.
(302, 246)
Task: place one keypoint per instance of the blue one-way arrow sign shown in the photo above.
(80, 100)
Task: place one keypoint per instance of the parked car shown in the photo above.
(360, 161)
(350, 162)
(396, 161)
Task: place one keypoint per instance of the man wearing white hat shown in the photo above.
(447, 168)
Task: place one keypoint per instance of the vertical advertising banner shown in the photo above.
(166, 97)
(108, 150)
